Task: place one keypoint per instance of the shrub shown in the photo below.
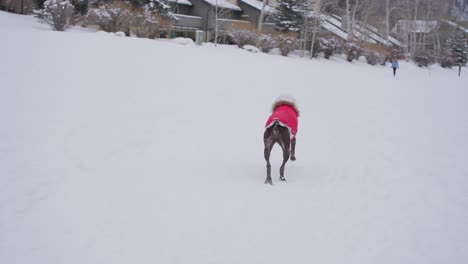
(376, 54)
(56, 13)
(266, 42)
(446, 60)
(147, 24)
(352, 50)
(329, 45)
(423, 58)
(287, 43)
(243, 35)
(111, 17)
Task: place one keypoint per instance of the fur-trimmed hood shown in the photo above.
(285, 100)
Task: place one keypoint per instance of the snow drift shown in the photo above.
(123, 150)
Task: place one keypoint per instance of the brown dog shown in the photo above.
(281, 128)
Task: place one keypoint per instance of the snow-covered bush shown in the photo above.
(352, 50)
(316, 51)
(375, 54)
(423, 58)
(243, 35)
(56, 13)
(111, 17)
(266, 42)
(329, 45)
(287, 43)
(446, 60)
(372, 57)
(147, 24)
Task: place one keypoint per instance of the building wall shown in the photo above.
(206, 12)
(252, 13)
(15, 6)
(184, 9)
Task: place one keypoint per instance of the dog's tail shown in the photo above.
(276, 128)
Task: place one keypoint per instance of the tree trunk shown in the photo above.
(216, 24)
(353, 20)
(314, 32)
(304, 35)
(348, 17)
(414, 34)
(262, 14)
(387, 21)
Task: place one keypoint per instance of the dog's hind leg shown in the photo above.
(293, 149)
(267, 158)
(285, 145)
(269, 142)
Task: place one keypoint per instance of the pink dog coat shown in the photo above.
(286, 116)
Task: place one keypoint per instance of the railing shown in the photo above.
(189, 22)
(225, 24)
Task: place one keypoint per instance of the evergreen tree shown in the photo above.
(290, 15)
(457, 48)
(162, 7)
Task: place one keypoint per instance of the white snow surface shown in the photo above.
(223, 4)
(181, 2)
(419, 26)
(183, 41)
(111, 153)
(251, 48)
(453, 24)
(259, 4)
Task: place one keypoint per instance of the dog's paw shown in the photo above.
(293, 158)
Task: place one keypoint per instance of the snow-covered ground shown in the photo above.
(123, 150)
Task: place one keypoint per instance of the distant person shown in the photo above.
(395, 66)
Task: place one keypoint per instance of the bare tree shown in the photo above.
(219, 13)
(319, 7)
(262, 16)
(391, 6)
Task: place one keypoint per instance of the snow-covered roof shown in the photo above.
(187, 16)
(453, 24)
(335, 29)
(361, 30)
(372, 33)
(358, 31)
(258, 5)
(223, 4)
(329, 25)
(181, 2)
(417, 26)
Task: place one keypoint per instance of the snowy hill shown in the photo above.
(123, 150)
